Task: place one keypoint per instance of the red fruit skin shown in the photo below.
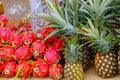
(9, 69)
(5, 35)
(56, 71)
(11, 26)
(28, 38)
(25, 69)
(58, 44)
(40, 68)
(45, 32)
(52, 56)
(38, 48)
(23, 53)
(1, 63)
(2, 53)
(9, 53)
(1, 45)
(23, 30)
(3, 21)
(15, 41)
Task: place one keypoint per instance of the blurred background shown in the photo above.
(16, 9)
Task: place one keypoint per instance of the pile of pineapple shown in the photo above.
(91, 31)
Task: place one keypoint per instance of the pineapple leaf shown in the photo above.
(99, 40)
(58, 19)
(118, 36)
(72, 49)
(100, 11)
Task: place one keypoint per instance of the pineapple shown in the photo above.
(118, 40)
(100, 15)
(86, 59)
(103, 43)
(66, 21)
(119, 60)
(73, 69)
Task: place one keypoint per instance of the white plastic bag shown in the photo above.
(37, 7)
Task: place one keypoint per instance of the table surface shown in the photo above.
(89, 75)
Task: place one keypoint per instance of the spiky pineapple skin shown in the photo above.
(86, 58)
(106, 65)
(119, 60)
(73, 71)
(113, 27)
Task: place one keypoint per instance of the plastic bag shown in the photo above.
(16, 9)
(37, 7)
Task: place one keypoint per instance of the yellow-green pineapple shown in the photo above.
(99, 14)
(103, 42)
(73, 69)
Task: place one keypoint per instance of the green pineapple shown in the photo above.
(103, 43)
(73, 69)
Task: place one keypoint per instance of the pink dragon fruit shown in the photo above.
(52, 56)
(58, 44)
(3, 21)
(24, 69)
(15, 41)
(9, 53)
(9, 69)
(5, 35)
(38, 48)
(1, 63)
(56, 71)
(23, 53)
(2, 53)
(40, 68)
(45, 32)
(28, 38)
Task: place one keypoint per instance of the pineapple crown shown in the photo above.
(100, 40)
(100, 11)
(118, 36)
(72, 49)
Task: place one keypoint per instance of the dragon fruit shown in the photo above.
(38, 48)
(40, 68)
(52, 56)
(28, 38)
(23, 53)
(58, 44)
(56, 71)
(15, 41)
(3, 21)
(5, 35)
(8, 53)
(45, 32)
(1, 63)
(9, 69)
(2, 53)
(24, 69)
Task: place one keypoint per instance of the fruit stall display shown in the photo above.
(79, 34)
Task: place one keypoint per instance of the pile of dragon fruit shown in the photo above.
(24, 53)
